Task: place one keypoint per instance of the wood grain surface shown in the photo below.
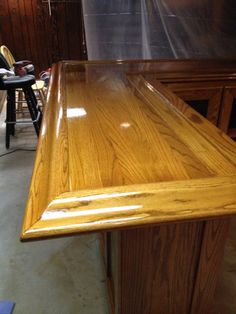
(169, 268)
(227, 110)
(212, 250)
(196, 91)
(106, 129)
(210, 94)
(162, 278)
(31, 33)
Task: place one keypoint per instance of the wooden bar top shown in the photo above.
(115, 152)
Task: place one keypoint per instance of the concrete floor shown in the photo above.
(63, 276)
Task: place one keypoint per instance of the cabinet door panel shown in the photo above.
(204, 100)
(227, 121)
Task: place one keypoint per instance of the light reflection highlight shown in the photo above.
(125, 125)
(119, 61)
(76, 112)
(118, 221)
(89, 198)
(59, 96)
(59, 121)
(43, 129)
(48, 215)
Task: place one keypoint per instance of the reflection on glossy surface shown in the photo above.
(75, 112)
(59, 121)
(109, 136)
(89, 198)
(43, 131)
(97, 211)
(161, 202)
(125, 125)
(40, 230)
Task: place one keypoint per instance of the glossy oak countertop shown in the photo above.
(115, 152)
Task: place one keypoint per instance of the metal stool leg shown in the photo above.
(10, 117)
(36, 106)
(13, 112)
(32, 109)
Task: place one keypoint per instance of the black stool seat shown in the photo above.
(15, 82)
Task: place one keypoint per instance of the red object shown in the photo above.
(20, 70)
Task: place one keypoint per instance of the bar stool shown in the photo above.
(10, 84)
(38, 87)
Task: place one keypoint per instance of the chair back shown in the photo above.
(7, 55)
(3, 63)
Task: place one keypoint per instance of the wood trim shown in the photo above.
(101, 209)
(232, 133)
(212, 250)
(214, 105)
(159, 267)
(226, 109)
(212, 94)
(2, 99)
(199, 86)
(171, 268)
(203, 153)
(43, 39)
(206, 128)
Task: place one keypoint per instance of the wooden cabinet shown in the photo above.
(204, 99)
(166, 269)
(214, 97)
(227, 121)
(31, 33)
(215, 100)
(124, 155)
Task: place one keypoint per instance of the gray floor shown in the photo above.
(63, 276)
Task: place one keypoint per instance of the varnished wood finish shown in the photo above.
(103, 128)
(136, 205)
(196, 91)
(119, 151)
(207, 129)
(164, 277)
(212, 249)
(226, 111)
(212, 87)
(169, 269)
